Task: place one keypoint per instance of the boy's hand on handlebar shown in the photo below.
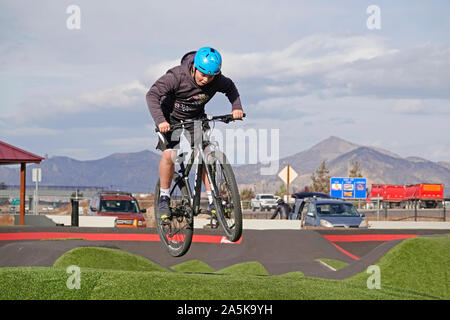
(237, 114)
(164, 127)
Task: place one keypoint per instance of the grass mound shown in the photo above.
(108, 259)
(418, 264)
(245, 268)
(193, 266)
(50, 283)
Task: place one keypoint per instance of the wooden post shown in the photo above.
(22, 192)
(287, 190)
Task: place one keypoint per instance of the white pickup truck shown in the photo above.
(264, 201)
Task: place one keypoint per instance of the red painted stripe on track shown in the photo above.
(105, 237)
(367, 237)
(345, 251)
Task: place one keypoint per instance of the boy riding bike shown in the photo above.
(181, 95)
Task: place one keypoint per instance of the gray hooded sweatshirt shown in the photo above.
(177, 94)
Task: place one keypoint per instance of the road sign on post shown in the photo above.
(348, 188)
(287, 174)
(37, 177)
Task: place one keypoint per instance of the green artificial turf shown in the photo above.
(193, 266)
(415, 269)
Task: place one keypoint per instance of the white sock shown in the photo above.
(164, 192)
(210, 198)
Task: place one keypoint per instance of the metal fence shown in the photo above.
(58, 203)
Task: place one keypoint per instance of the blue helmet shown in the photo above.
(208, 61)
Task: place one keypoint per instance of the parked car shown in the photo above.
(327, 212)
(263, 202)
(121, 204)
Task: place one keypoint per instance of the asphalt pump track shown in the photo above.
(279, 251)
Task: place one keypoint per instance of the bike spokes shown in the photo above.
(176, 231)
(227, 200)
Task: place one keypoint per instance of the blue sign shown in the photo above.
(348, 188)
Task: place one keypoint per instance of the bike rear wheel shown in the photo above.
(228, 202)
(175, 233)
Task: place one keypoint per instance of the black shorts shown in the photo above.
(172, 138)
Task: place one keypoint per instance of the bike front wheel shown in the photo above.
(226, 200)
(176, 232)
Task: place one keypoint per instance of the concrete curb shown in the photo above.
(409, 225)
(51, 220)
(258, 224)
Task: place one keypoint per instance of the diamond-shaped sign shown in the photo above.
(283, 174)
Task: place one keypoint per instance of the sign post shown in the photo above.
(378, 199)
(287, 174)
(37, 177)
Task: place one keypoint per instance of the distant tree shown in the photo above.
(246, 195)
(321, 179)
(355, 171)
(281, 191)
(77, 193)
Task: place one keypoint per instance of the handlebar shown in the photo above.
(226, 118)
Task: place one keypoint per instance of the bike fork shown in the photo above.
(212, 182)
(197, 188)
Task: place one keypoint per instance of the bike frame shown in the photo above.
(199, 151)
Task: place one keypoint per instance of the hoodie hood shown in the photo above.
(188, 59)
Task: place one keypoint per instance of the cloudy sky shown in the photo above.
(311, 69)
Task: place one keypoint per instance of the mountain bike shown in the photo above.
(176, 232)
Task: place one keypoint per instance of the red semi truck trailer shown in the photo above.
(427, 195)
(392, 194)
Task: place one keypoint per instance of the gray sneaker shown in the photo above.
(212, 208)
(163, 208)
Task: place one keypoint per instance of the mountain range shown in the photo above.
(138, 172)
(376, 164)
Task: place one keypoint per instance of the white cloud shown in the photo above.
(422, 71)
(31, 131)
(46, 107)
(121, 96)
(409, 106)
(154, 72)
(314, 54)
